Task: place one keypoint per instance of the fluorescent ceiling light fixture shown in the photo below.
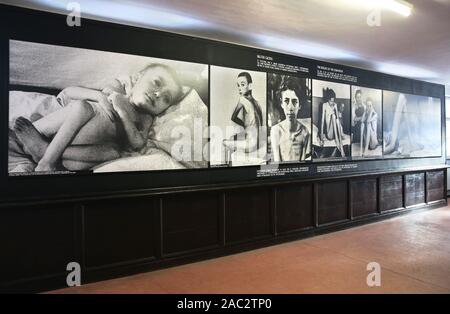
(398, 6)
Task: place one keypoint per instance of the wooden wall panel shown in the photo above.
(121, 230)
(37, 241)
(247, 214)
(414, 189)
(190, 221)
(116, 236)
(391, 192)
(364, 197)
(435, 186)
(294, 207)
(332, 202)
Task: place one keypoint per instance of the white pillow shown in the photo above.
(181, 131)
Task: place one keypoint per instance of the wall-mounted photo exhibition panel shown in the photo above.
(411, 125)
(331, 116)
(367, 128)
(154, 110)
(289, 118)
(238, 117)
(74, 109)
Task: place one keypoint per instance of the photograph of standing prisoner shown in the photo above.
(367, 132)
(331, 120)
(289, 118)
(238, 135)
(74, 109)
(411, 125)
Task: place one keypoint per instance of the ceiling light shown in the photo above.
(398, 6)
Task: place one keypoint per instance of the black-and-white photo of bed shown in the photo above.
(73, 109)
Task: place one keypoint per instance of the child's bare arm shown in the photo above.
(83, 93)
(305, 148)
(236, 117)
(373, 117)
(275, 143)
(113, 86)
(323, 122)
(135, 137)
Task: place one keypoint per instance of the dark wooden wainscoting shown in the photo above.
(127, 234)
(294, 208)
(332, 202)
(391, 192)
(364, 197)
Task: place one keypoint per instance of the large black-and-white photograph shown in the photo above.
(367, 133)
(289, 118)
(331, 120)
(238, 117)
(74, 109)
(411, 125)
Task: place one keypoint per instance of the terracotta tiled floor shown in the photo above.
(413, 251)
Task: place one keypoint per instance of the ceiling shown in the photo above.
(331, 30)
